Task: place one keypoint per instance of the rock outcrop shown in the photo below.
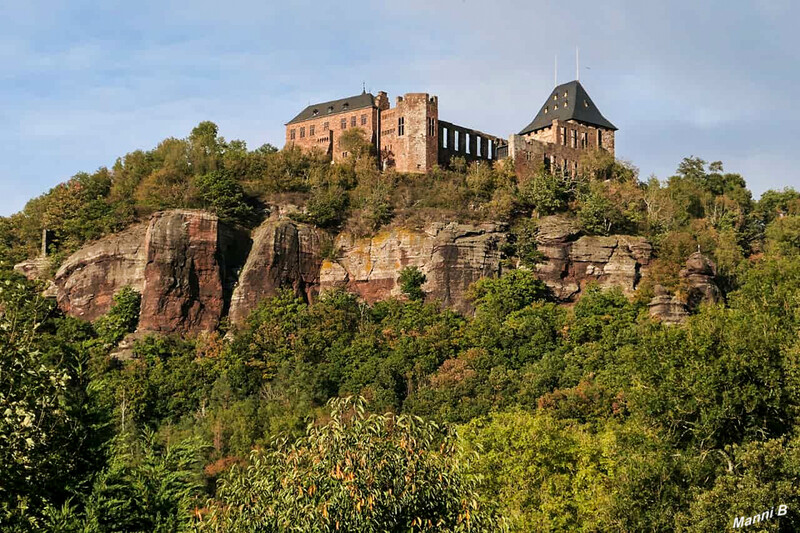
(89, 278)
(573, 261)
(699, 277)
(666, 307)
(452, 256)
(33, 268)
(284, 254)
(192, 262)
(699, 287)
(193, 270)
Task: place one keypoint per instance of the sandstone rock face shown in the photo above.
(284, 254)
(667, 308)
(699, 277)
(452, 256)
(89, 278)
(192, 262)
(33, 268)
(572, 261)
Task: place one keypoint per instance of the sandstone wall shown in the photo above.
(89, 278)
(284, 254)
(452, 256)
(574, 261)
(192, 270)
(192, 262)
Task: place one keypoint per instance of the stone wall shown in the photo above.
(472, 145)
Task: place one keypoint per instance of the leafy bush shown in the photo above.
(121, 319)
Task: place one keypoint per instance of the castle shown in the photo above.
(410, 137)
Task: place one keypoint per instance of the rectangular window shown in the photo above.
(344, 123)
(489, 149)
(455, 144)
(546, 163)
(431, 127)
(599, 138)
(584, 140)
(344, 154)
(574, 138)
(364, 119)
(444, 137)
(353, 121)
(466, 143)
(302, 132)
(564, 136)
(311, 131)
(326, 126)
(291, 134)
(478, 145)
(401, 126)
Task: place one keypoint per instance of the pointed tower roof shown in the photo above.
(568, 101)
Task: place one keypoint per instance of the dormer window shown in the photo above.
(345, 106)
(555, 97)
(316, 112)
(585, 103)
(330, 109)
(555, 106)
(545, 110)
(565, 94)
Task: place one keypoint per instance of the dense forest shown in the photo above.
(404, 415)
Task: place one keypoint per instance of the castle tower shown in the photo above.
(567, 124)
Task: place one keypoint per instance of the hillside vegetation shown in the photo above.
(403, 415)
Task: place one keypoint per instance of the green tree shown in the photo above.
(355, 472)
(411, 280)
(219, 193)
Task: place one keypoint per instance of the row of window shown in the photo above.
(326, 127)
(573, 141)
(552, 163)
(479, 144)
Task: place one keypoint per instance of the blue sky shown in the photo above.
(82, 83)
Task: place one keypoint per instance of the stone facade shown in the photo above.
(408, 137)
(324, 131)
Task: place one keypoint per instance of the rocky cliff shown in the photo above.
(89, 278)
(452, 256)
(572, 260)
(193, 270)
(285, 254)
(192, 263)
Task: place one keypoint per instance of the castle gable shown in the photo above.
(568, 101)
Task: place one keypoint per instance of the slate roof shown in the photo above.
(335, 106)
(575, 106)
